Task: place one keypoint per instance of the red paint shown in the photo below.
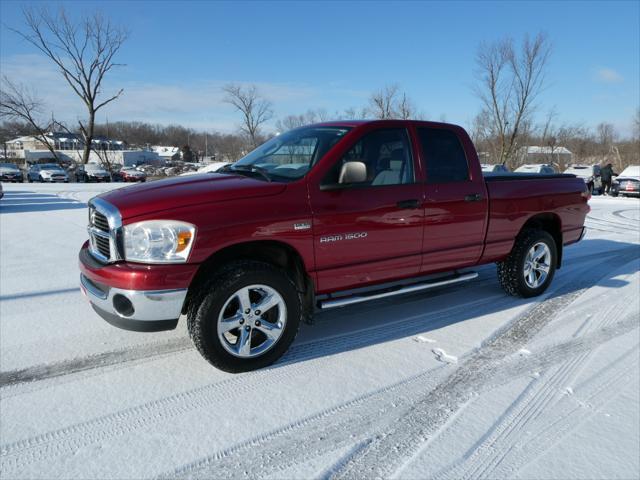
(442, 232)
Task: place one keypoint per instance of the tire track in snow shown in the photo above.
(117, 358)
(15, 456)
(368, 421)
(619, 214)
(385, 456)
(70, 439)
(596, 395)
(298, 352)
(538, 396)
(625, 227)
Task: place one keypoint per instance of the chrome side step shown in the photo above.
(416, 287)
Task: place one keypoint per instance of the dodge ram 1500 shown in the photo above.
(322, 216)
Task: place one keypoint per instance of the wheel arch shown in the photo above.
(550, 223)
(277, 253)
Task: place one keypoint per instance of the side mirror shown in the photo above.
(353, 172)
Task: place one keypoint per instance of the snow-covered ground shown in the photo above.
(457, 383)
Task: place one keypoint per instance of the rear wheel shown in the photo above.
(245, 317)
(531, 265)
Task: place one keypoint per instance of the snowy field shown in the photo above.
(457, 383)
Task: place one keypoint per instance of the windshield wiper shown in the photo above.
(249, 169)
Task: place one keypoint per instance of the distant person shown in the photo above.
(606, 175)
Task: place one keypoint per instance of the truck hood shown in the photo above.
(178, 192)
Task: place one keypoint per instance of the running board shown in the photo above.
(416, 287)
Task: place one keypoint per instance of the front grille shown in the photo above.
(103, 245)
(100, 221)
(104, 231)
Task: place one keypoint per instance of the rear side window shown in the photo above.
(444, 156)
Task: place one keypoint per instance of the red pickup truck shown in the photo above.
(322, 216)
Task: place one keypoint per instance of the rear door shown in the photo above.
(370, 232)
(456, 200)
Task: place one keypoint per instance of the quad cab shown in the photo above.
(319, 217)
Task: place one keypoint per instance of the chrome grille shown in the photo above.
(104, 230)
(100, 221)
(103, 245)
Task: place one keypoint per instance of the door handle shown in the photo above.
(474, 197)
(408, 203)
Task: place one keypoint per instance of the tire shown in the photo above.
(219, 299)
(512, 272)
(29, 180)
(40, 179)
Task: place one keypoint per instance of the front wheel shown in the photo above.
(245, 317)
(531, 265)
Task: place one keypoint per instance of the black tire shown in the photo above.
(40, 179)
(29, 180)
(210, 298)
(511, 270)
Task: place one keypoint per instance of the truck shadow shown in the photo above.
(21, 201)
(380, 321)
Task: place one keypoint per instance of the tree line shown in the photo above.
(510, 77)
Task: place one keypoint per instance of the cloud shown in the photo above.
(608, 75)
(197, 103)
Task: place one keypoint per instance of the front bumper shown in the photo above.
(137, 310)
(11, 178)
(141, 298)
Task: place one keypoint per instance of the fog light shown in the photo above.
(123, 305)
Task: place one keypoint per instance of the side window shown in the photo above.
(386, 154)
(444, 156)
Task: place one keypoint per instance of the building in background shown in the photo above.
(69, 148)
(167, 153)
(560, 156)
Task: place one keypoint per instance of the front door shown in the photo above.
(372, 231)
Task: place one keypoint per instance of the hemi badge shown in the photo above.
(301, 226)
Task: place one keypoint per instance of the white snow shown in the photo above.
(539, 388)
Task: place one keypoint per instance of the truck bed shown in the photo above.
(514, 198)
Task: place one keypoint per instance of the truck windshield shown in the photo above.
(288, 156)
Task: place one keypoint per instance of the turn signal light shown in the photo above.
(184, 238)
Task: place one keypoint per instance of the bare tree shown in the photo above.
(382, 104)
(255, 109)
(18, 103)
(510, 81)
(406, 109)
(83, 53)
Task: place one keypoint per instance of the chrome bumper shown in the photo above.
(138, 310)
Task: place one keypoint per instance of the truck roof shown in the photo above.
(356, 123)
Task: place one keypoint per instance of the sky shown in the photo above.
(333, 55)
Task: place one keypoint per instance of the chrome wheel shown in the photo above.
(537, 264)
(252, 321)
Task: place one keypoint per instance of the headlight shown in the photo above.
(158, 241)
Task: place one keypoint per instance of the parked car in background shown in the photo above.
(1, 192)
(92, 172)
(130, 174)
(627, 183)
(9, 172)
(590, 174)
(210, 168)
(490, 168)
(542, 168)
(47, 172)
